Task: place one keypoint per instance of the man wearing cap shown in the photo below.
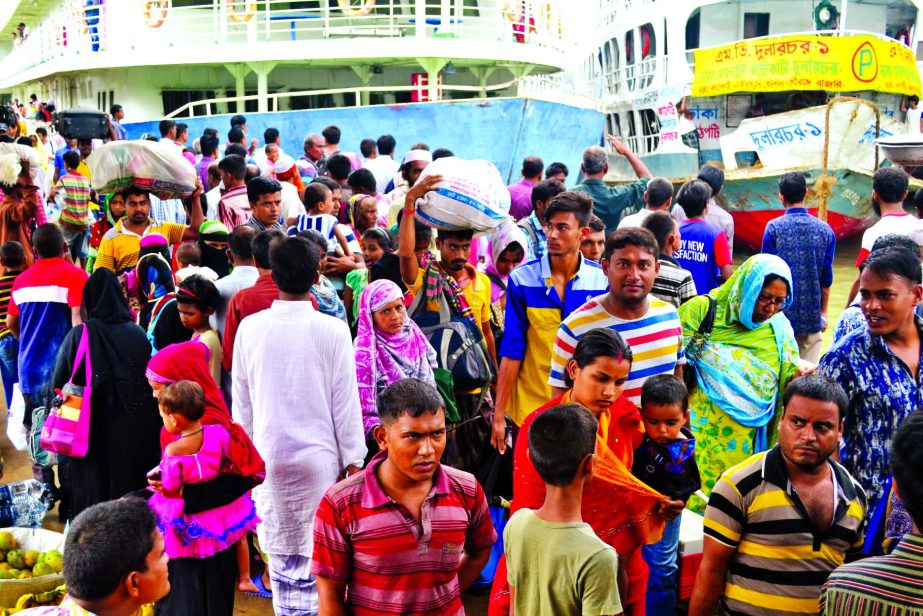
(415, 161)
(285, 171)
(120, 248)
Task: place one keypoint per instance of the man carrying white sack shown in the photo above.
(468, 294)
(415, 161)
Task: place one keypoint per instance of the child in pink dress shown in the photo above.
(196, 456)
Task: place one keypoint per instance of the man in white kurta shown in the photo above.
(295, 393)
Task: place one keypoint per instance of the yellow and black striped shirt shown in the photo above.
(781, 561)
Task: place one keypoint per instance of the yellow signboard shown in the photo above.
(806, 62)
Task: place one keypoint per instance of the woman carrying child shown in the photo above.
(243, 471)
(197, 455)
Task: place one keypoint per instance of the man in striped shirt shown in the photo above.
(779, 522)
(889, 585)
(407, 535)
(650, 326)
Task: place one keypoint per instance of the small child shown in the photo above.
(196, 456)
(74, 219)
(197, 299)
(272, 153)
(666, 462)
(319, 201)
(189, 256)
(376, 242)
(12, 258)
(555, 562)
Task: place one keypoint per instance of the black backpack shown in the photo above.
(459, 344)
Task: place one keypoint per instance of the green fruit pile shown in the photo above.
(17, 564)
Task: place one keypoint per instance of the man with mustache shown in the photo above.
(468, 293)
(772, 531)
(650, 326)
(878, 366)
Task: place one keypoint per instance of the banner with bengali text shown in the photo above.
(806, 62)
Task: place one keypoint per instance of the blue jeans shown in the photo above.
(9, 368)
(661, 560)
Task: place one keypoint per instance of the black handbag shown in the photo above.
(697, 343)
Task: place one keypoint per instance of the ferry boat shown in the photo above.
(476, 76)
(769, 87)
(502, 79)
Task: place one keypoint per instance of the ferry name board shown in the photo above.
(806, 62)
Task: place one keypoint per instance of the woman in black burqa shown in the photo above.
(125, 425)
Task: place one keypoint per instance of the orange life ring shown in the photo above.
(241, 17)
(152, 20)
(349, 11)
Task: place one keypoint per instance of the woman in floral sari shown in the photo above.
(741, 367)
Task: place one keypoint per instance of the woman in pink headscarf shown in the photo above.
(389, 347)
(506, 250)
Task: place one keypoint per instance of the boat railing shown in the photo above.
(82, 34)
(529, 87)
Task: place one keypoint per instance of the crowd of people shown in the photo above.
(287, 363)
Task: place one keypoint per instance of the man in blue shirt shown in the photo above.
(807, 245)
(59, 170)
(116, 114)
(879, 366)
(704, 250)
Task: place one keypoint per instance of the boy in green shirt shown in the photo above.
(555, 562)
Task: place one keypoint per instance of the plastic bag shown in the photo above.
(471, 195)
(23, 503)
(15, 430)
(156, 167)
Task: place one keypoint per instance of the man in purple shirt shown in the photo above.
(521, 191)
(209, 145)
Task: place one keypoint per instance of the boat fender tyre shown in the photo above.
(155, 18)
(239, 17)
(362, 11)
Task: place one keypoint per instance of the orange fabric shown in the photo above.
(621, 509)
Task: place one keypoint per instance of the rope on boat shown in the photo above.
(823, 187)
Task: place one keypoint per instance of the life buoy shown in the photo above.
(155, 19)
(349, 11)
(241, 17)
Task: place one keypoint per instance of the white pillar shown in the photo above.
(262, 70)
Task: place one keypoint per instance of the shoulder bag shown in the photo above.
(67, 427)
(697, 344)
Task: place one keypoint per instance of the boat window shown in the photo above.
(650, 128)
(693, 29)
(748, 160)
(614, 125)
(648, 41)
(174, 99)
(629, 48)
(756, 24)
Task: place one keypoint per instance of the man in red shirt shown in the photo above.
(44, 305)
(253, 299)
(406, 535)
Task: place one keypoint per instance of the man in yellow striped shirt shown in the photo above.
(780, 522)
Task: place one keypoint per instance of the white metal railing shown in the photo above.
(75, 30)
(541, 87)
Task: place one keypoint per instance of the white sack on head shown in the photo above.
(471, 195)
(156, 167)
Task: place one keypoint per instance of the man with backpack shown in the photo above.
(454, 282)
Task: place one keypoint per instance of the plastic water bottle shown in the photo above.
(24, 503)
